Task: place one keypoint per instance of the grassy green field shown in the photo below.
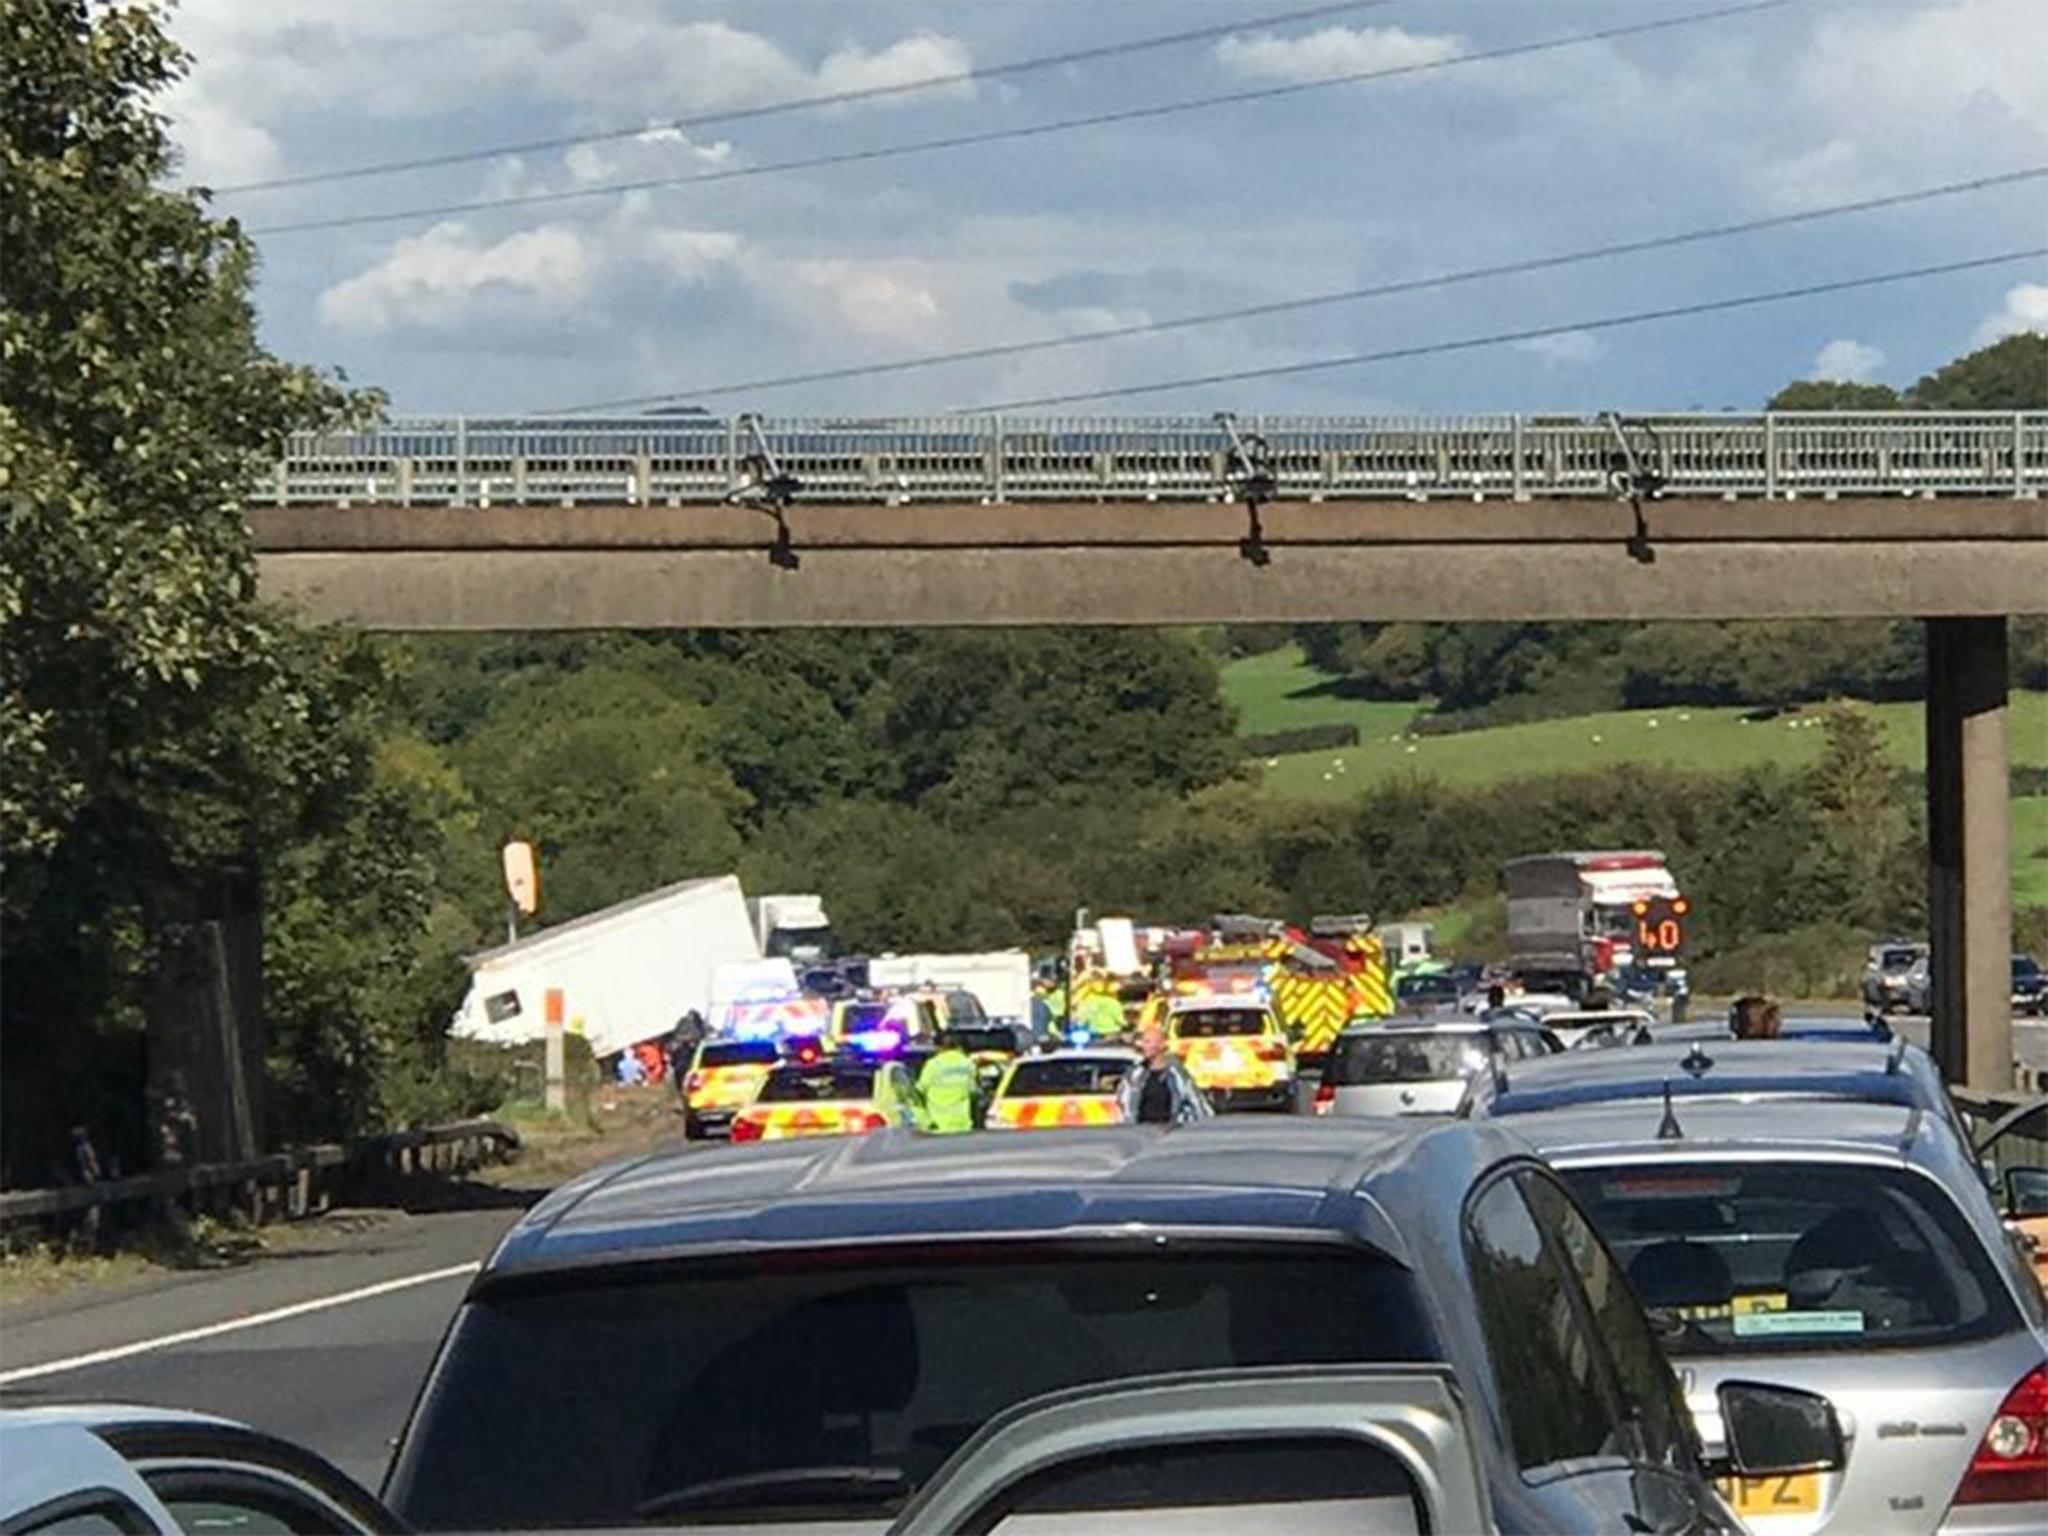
(1712, 740)
(2030, 851)
(1279, 691)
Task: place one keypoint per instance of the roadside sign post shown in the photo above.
(555, 1059)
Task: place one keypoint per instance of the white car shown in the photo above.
(111, 1468)
(1581, 1028)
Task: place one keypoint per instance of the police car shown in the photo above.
(723, 1078)
(845, 1094)
(1065, 1088)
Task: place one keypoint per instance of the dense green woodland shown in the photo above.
(181, 759)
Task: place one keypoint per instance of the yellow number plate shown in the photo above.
(1796, 1495)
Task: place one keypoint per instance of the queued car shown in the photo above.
(1419, 1066)
(139, 1471)
(1874, 1072)
(1236, 1325)
(1426, 991)
(1066, 1088)
(841, 1095)
(1583, 1028)
(1236, 1051)
(994, 1045)
(2029, 986)
(1887, 973)
(723, 1077)
(1847, 1248)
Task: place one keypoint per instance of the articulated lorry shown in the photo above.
(620, 976)
(1577, 920)
(792, 927)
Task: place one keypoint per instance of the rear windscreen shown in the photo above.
(1417, 1058)
(739, 1053)
(857, 1372)
(1797, 1256)
(1426, 986)
(1040, 1079)
(1898, 959)
(795, 1086)
(977, 1040)
(1214, 1023)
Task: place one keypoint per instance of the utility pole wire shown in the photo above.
(1534, 333)
(1317, 300)
(800, 103)
(1028, 131)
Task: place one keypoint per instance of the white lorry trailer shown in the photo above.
(1000, 979)
(624, 975)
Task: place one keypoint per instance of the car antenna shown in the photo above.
(1697, 1062)
(1669, 1129)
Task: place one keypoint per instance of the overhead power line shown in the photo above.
(1318, 300)
(802, 103)
(1504, 338)
(1027, 131)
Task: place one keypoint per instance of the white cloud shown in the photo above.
(439, 278)
(1887, 93)
(2025, 309)
(1333, 51)
(1566, 349)
(259, 67)
(220, 146)
(886, 300)
(691, 256)
(913, 58)
(1854, 362)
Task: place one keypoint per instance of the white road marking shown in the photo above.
(235, 1324)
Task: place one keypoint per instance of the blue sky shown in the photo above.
(554, 305)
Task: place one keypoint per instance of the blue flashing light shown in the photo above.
(766, 1028)
(877, 1042)
(1079, 1036)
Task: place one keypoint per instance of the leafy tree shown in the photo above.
(2008, 375)
(165, 737)
(612, 776)
(1834, 395)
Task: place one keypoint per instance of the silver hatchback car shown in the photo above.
(1847, 1248)
(1420, 1066)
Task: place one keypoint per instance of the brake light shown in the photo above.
(1326, 1097)
(744, 1129)
(864, 1120)
(693, 1082)
(1270, 1050)
(2011, 1464)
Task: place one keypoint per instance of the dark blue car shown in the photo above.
(1236, 1320)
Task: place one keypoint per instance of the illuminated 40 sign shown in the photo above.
(1660, 929)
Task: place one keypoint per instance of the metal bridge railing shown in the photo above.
(483, 461)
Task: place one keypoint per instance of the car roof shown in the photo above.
(1571, 1017)
(1282, 1178)
(107, 1415)
(1424, 1024)
(1879, 1071)
(1109, 1053)
(1628, 1132)
(1236, 1001)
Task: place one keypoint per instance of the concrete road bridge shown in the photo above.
(689, 521)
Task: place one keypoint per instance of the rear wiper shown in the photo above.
(780, 1485)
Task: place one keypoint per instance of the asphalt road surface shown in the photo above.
(324, 1345)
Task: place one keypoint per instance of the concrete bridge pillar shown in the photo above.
(1969, 854)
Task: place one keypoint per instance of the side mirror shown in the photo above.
(1778, 1431)
(2026, 1191)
